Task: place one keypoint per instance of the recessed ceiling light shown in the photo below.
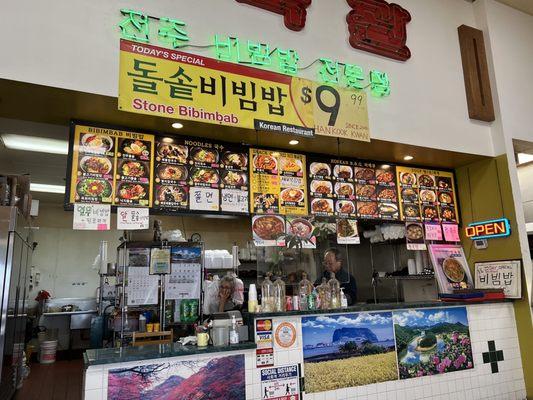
(34, 143)
(167, 140)
(294, 142)
(41, 187)
(385, 166)
(177, 125)
(524, 158)
(408, 158)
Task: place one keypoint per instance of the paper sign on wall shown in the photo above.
(451, 232)
(280, 383)
(205, 199)
(92, 217)
(433, 231)
(500, 274)
(129, 218)
(160, 261)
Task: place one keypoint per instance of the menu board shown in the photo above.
(352, 189)
(278, 183)
(426, 195)
(200, 175)
(111, 166)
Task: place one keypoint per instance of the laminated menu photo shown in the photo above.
(451, 268)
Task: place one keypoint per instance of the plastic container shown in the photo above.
(279, 295)
(305, 287)
(252, 298)
(335, 290)
(47, 352)
(267, 295)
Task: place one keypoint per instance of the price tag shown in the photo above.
(234, 200)
(433, 231)
(205, 199)
(336, 111)
(129, 218)
(451, 232)
(92, 217)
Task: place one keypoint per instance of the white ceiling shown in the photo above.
(522, 5)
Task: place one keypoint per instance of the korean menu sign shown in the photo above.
(173, 84)
(278, 183)
(200, 175)
(352, 189)
(427, 195)
(111, 166)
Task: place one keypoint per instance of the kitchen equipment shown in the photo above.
(15, 257)
(220, 336)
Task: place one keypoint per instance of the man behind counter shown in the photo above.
(333, 263)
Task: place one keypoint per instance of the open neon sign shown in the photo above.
(173, 33)
(488, 229)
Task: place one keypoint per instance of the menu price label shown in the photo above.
(204, 199)
(133, 218)
(433, 232)
(92, 217)
(451, 232)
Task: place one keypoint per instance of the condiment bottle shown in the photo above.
(267, 293)
(233, 335)
(279, 295)
(312, 300)
(335, 289)
(344, 300)
(324, 295)
(304, 290)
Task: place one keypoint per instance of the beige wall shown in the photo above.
(65, 257)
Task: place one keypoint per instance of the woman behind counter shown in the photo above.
(226, 287)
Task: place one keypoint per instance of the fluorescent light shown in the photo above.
(41, 187)
(408, 158)
(177, 125)
(524, 158)
(34, 143)
(294, 142)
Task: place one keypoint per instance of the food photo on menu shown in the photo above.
(451, 268)
(302, 228)
(134, 149)
(267, 230)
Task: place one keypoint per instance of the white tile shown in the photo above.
(93, 380)
(94, 394)
(249, 392)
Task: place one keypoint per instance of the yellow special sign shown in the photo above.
(173, 84)
(111, 166)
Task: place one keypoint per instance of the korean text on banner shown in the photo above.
(168, 83)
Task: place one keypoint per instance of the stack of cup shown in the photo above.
(252, 298)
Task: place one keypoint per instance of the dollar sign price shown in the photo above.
(306, 95)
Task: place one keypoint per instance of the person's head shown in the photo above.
(332, 260)
(226, 286)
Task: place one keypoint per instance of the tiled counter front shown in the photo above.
(496, 374)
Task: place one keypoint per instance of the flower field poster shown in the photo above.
(432, 341)
(348, 350)
(220, 378)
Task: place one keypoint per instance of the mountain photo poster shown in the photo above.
(432, 341)
(220, 378)
(348, 350)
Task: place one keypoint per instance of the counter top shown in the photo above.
(55, 314)
(149, 352)
(376, 307)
